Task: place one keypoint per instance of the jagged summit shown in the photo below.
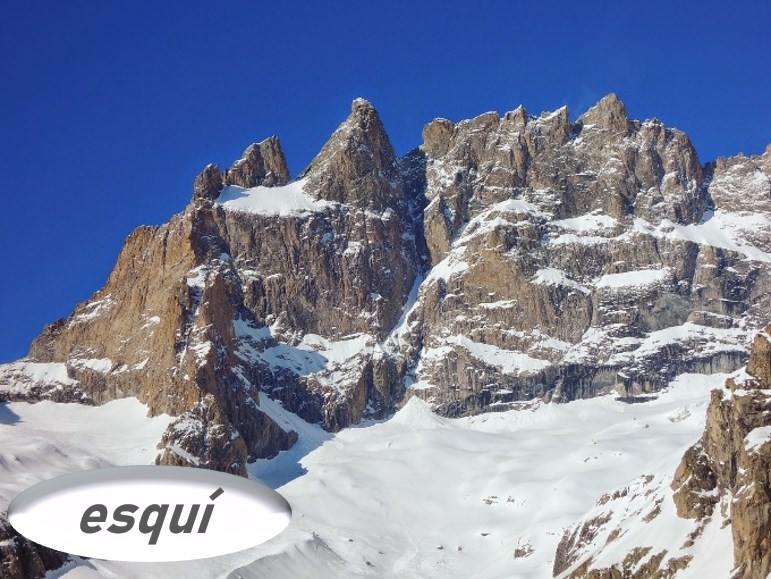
(207, 184)
(361, 105)
(357, 165)
(609, 113)
(261, 163)
(561, 260)
(509, 261)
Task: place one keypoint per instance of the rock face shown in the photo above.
(162, 329)
(733, 459)
(20, 558)
(261, 164)
(506, 258)
(723, 479)
(573, 258)
(358, 165)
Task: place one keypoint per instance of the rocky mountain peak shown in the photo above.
(559, 263)
(362, 106)
(357, 165)
(437, 136)
(208, 183)
(517, 117)
(261, 164)
(609, 113)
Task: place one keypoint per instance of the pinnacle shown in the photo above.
(360, 105)
(262, 163)
(608, 113)
(357, 164)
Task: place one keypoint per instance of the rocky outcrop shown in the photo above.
(207, 184)
(182, 322)
(723, 479)
(202, 437)
(21, 558)
(261, 164)
(509, 257)
(608, 114)
(733, 459)
(575, 258)
(162, 329)
(357, 165)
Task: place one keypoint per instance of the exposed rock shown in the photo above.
(561, 260)
(578, 249)
(742, 182)
(437, 137)
(162, 330)
(357, 165)
(261, 164)
(729, 468)
(21, 558)
(694, 485)
(203, 437)
(510, 257)
(208, 184)
(609, 113)
(759, 364)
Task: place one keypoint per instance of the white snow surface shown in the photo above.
(43, 440)
(756, 438)
(553, 276)
(286, 201)
(625, 350)
(101, 365)
(335, 364)
(588, 222)
(20, 376)
(718, 228)
(641, 277)
(507, 361)
(422, 496)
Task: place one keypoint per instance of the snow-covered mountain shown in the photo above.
(508, 262)
(711, 517)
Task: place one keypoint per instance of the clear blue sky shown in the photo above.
(109, 109)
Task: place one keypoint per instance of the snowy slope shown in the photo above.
(288, 200)
(43, 440)
(424, 496)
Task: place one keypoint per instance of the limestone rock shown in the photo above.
(208, 184)
(726, 476)
(759, 364)
(357, 165)
(164, 324)
(744, 183)
(561, 259)
(201, 437)
(437, 137)
(21, 558)
(609, 113)
(261, 164)
(579, 246)
(737, 453)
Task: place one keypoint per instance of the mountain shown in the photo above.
(718, 497)
(507, 259)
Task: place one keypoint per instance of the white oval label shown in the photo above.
(149, 513)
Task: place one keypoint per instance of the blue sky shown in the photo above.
(108, 110)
